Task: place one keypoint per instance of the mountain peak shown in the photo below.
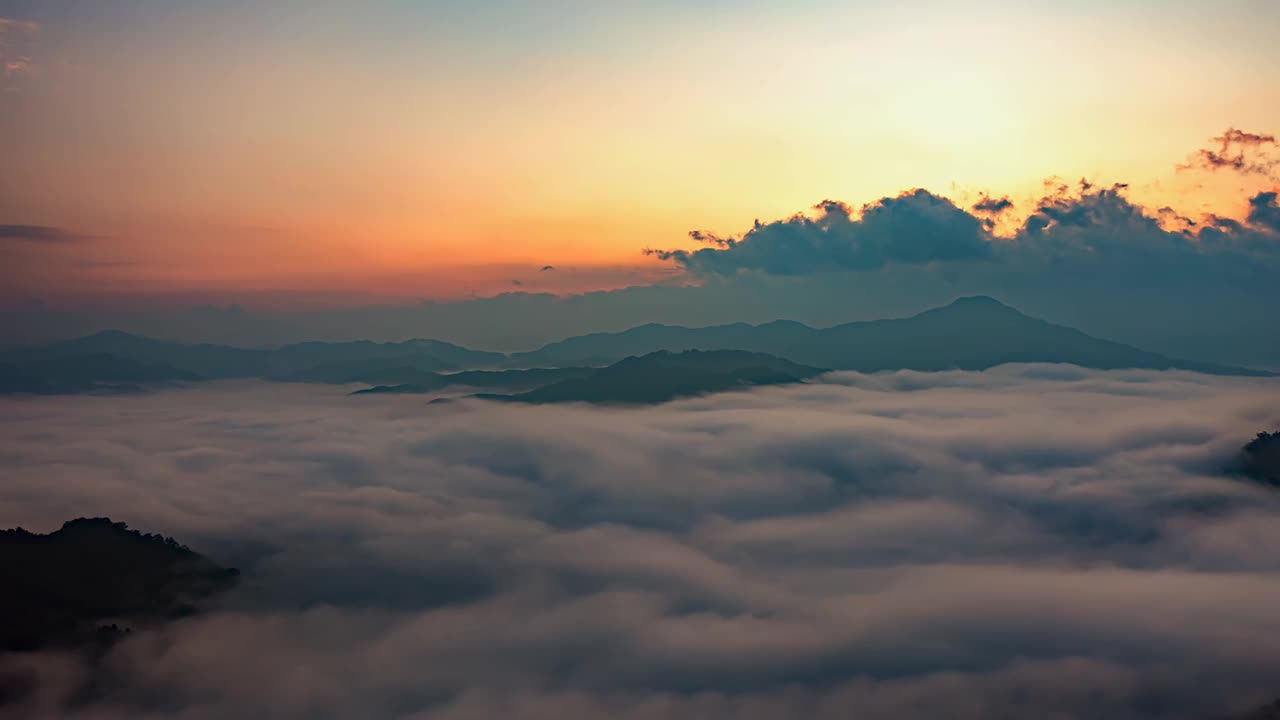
(978, 301)
(974, 306)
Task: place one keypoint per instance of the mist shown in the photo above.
(1030, 541)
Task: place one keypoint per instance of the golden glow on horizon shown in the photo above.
(251, 165)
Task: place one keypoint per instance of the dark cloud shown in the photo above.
(1264, 211)
(545, 268)
(1090, 207)
(1175, 219)
(1032, 541)
(37, 234)
(1080, 229)
(1236, 150)
(916, 227)
(1086, 223)
(988, 205)
(1097, 224)
(1241, 137)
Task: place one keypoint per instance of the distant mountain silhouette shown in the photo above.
(496, 379)
(1260, 458)
(87, 363)
(972, 333)
(224, 361)
(417, 367)
(85, 373)
(62, 589)
(662, 376)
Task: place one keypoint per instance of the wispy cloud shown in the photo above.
(16, 66)
(1236, 150)
(38, 234)
(15, 50)
(8, 25)
(988, 205)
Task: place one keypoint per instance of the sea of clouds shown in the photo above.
(1027, 542)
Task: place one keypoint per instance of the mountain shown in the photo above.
(1260, 458)
(423, 354)
(492, 379)
(416, 367)
(972, 333)
(662, 376)
(61, 589)
(85, 373)
(86, 363)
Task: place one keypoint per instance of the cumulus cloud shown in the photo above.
(1089, 225)
(1101, 225)
(1033, 541)
(916, 227)
(1264, 211)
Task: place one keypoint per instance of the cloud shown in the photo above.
(1117, 274)
(1099, 223)
(37, 234)
(17, 65)
(988, 205)
(1236, 150)
(991, 210)
(15, 50)
(8, 25)
(1264, 211)
(1172, 219)
(546, 268)
(1032, 541)
(916, 227)
(1085, 225)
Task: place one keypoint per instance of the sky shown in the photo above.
(1033, 540)
(295, 154)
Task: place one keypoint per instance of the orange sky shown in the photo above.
(442, 151)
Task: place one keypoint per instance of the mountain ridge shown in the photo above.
(661, 376)
(934, 339)
(970, 333)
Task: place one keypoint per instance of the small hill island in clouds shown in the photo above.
(79, 584)
(582, 359)
(663, 375)
(1260, 458)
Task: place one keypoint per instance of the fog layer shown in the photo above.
(1031, 541)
